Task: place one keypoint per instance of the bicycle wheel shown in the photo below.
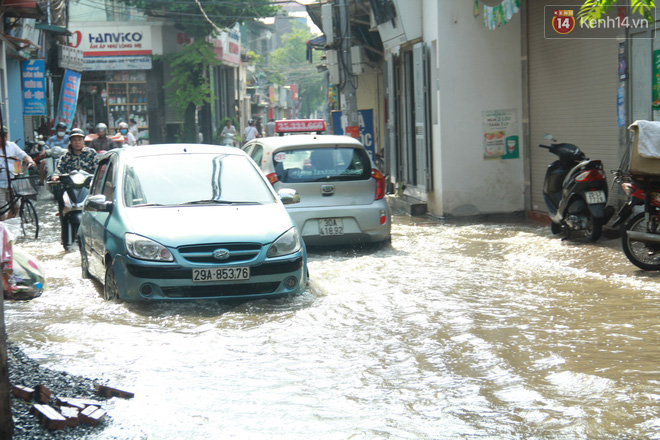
(29, 219)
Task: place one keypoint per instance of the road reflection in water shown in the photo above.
(457, 329)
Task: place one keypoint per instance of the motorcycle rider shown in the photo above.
(78, 157)
(59, 139)
(129, 139)
(228, 133)
(102, 142)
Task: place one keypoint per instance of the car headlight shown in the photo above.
(144, 248)
(286, 244)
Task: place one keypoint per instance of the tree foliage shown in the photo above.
(198, 19)
(289, 65)
(595, 9)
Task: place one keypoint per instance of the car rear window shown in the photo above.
(321, 164)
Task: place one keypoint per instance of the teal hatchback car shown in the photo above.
(187, 221)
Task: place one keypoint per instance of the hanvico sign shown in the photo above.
(114, 48)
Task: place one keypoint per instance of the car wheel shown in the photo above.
(110, 287)
(84, 262)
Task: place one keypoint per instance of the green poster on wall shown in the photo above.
(656, 79)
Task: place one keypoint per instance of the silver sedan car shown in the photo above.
(342, 195)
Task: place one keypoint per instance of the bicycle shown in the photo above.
(22, 189)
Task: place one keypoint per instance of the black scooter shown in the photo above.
(71, 191)
(575, 192)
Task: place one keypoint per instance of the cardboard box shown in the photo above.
(639, 165)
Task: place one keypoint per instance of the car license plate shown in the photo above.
(595, 197)
(220, 274)
(331, 226)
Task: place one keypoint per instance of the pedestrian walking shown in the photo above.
(270, 127)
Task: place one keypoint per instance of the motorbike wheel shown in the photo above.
(594, 228)
(29, 220)
(646, 256)
(110, 287)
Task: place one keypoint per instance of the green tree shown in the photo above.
(289, 65)
(595, 9)
(199, 19)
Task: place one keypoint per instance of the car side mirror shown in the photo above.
(99, 203)
(288, 196)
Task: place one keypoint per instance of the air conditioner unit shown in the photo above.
(405, 26)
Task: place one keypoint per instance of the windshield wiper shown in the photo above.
(147, 204)
(217, 202)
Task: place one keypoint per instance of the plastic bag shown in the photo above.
(23, 279)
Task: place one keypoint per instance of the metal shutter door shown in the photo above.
(572, 95)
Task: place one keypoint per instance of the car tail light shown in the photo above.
(380, 183)
(272, 178)
(590, 175)
(383, 217)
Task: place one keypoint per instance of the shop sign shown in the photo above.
(34, 87)
(364, 131)
(500, 134)
(228, 47)
(66, 107)
(117, 63)
(70, 58)
(113, 41)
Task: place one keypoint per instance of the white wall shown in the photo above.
(477, 70)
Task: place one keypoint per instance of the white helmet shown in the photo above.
(123, 125)
(101, 127)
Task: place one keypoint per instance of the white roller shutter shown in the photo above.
(572, 95)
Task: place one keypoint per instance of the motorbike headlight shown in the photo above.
(286, 244)
(144, 248)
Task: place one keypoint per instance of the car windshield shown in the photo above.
(322, 164)
(195, 179)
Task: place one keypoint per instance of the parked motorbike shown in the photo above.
(641, 234)
(575, 192)
(75, 188)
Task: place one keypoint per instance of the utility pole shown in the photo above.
(347, 97)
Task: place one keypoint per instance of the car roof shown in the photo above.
(162, 149)
(309, 140)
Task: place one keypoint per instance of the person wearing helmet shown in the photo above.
(78, 156)
(129, 139)
(102, 142)
(59, 139)
(250, 132)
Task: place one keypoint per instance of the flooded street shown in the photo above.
(456, 330)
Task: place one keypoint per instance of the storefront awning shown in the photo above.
(55, 29)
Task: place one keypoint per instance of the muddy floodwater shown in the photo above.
(456, 330)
